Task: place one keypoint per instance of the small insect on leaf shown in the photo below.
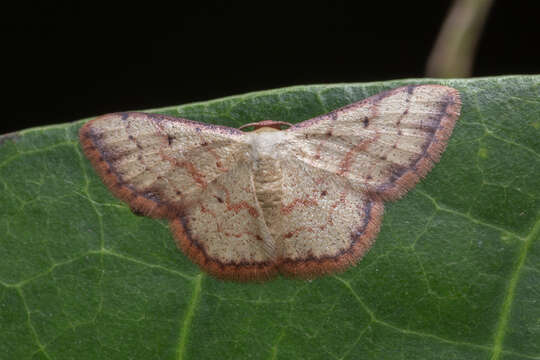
(303, 202)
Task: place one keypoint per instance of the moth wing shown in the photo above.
(326, 225)
(159, 164)
(384, 144)
(225, 232)
(338, 169)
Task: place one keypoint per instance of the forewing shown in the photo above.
(158, 164)
(384, 144)
(224, 232)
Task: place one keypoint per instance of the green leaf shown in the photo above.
(454, 273)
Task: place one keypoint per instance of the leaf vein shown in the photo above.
(401, 330)
(467, 216)
(510, 292)
(188, 318)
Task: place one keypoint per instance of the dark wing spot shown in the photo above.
(366, 122)
(324, 193)
(219, 199)
(151, 196)
(137, 212)
(170, 139)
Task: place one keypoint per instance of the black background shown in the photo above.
(70, 60)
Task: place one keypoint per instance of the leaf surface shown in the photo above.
(454, 273)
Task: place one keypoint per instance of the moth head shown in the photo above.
(266, 125)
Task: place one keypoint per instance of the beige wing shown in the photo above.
(159, 164)
(225, 232)
(339, 168)
(326, 224)
(384, 144)
(198, 176)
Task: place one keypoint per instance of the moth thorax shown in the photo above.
(265, 129)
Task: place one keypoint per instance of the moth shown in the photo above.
(304, 201)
